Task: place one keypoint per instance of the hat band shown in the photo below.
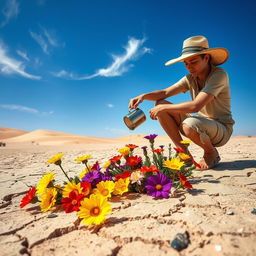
(193, 49)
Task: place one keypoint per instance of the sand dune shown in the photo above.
(6, 133)
(47, 137)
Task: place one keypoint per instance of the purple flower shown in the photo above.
(161, 146)
(144, 147)
(91, 176)
(151, 136)
(158, 185)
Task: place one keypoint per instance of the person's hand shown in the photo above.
(155, 111)
(134, 103)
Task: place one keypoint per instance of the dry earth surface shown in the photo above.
(217, 212)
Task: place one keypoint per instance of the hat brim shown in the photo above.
(218, 56)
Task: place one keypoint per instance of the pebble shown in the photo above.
(218, 247)
(180, 241)
(229, 212)
(52, 215)
(253, 211)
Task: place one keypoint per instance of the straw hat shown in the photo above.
(197, 45)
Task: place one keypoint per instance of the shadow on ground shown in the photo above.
(237, 165)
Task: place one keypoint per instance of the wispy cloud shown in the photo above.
(10, 10)
(23, 55)
(110, 105)
(10, 66)
(120, 64)
(46, 39)
(24, 109)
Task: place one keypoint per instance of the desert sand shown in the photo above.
(217, 212)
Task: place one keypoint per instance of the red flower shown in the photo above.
(73, 202)
(95, 166)
(133, 160)
(152, 168)
(131, 146)
(196, 164)
(158, 150)
(179, 150)
(123, 175)
(183, 181)
(115, 158)
(86, 186)
(28, 197)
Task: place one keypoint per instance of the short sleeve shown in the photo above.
(216, 83)
(183, 84)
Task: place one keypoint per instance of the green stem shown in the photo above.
(64, 173)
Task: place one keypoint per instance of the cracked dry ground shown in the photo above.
(138, 225)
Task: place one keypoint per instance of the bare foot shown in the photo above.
(209, 160)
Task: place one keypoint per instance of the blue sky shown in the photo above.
(73, 66)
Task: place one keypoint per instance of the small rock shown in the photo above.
(180, 241)
(218, 247)
(240, 230)
(169, 222)
(209, 233)
(52, 215)
(229, 212)
(160, 221)
(253, 211)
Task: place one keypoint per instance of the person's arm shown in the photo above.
(156, 95)
(182, 108)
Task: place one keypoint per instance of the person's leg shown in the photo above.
(207, 134)
(171, 123)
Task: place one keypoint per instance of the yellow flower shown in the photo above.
(94, 209)
(184, 156)
(83, 158)
(186, 142)
(48, 199)
(105, 188)
(44, 182)
(81, 175)
(107, 164)
(174, 164)
(56, 159)
(121, 186)
(72, 186)
(124, 151)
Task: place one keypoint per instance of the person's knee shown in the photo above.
(188, 131)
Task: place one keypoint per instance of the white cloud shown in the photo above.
(41, 41)
(10, 10)
(110, 105)
(9, 65)
(23, 55)
(46, 39)
(120, 64)
(65, 74)
(24, 109)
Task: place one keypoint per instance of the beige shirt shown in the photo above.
(217, 84)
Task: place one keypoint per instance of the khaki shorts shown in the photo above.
(218, 133)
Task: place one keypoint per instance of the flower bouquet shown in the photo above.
(88, 194)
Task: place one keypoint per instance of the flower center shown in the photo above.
(158, 187)
(74, 202)
(123, 188)
(95, 211)
(104, 192)
(174, 166)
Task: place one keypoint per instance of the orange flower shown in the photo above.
(184, 182)
(28, 197)
(152, 168)
(115, 158)
(158, 150)
(131, 146)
